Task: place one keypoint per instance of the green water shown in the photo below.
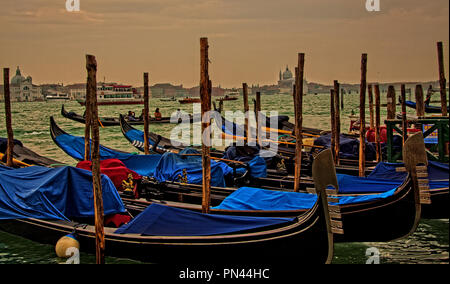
(429, 244)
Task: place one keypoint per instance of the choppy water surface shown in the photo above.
(429, 244)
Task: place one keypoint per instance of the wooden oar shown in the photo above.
(15, 161)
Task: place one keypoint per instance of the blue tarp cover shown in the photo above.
(143, 165)
(348, 147)
(353, 184)
(438, 173)
(172, 165)
(247, 198)
(61, 193)
(160, 220)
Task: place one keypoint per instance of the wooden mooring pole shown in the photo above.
(442, 80)
(391, 109)
(377, 123)
(91, 92)
(146, 115)
(333, 122)
(246, 108)
(10, 144)
(298, 106)
(257, 116)
(205, 95)
(337, 122)
(404, 122)
(362, 115)
(87, 125)
(420, 107)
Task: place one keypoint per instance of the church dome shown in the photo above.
(287, 74)
(17, 80)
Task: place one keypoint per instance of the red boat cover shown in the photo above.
(115, 170)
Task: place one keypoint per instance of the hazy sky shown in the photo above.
(250, 40)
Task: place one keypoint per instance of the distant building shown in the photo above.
(77, 91)
(286, 82)
(23, 90)
(167, 90)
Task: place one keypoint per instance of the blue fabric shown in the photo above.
(171, 165)
(258, 167)
(349, 199)
(354, 184)
(348, 147)
(144, 165)
(160, 220)
(257, 164)
(249, 198)
(438, 173)
(60, 193)
(5, 168)
(74, 147)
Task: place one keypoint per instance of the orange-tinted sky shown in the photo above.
(250, 40)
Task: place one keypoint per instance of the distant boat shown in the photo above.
(113, 94)
(227, 98)
(57, 97)
(172, 99)
(190, 100)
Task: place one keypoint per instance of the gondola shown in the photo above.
(109, 121)
(428, 108)
(189, 101)
(307, 238)
(22, 156)
(364, 217)
(397, 208)
(226, 98)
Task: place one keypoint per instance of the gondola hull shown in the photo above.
(303, 241)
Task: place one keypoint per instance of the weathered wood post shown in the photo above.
(337, 122)
(420, 107)
(404, 122)
(333, 123)
(362, 115)
(205, 95)
(298, 103)
(377, 123)
(257, 114)
(91, 92)
(391, 103)
(372, 120)
(87, 125)
(10, 144)
(246, 108)
(146, 115)
(442, 80)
